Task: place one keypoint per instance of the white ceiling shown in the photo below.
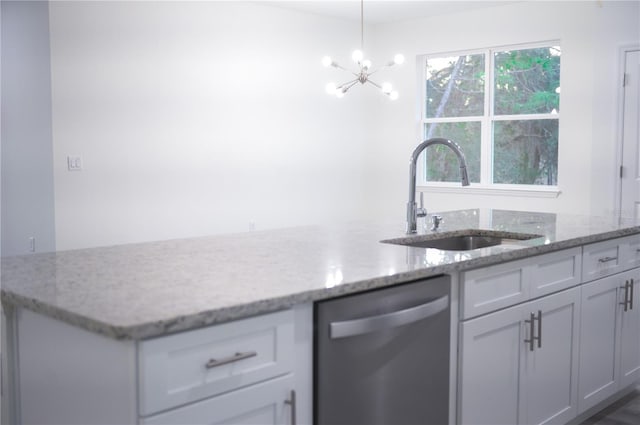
(383, 11)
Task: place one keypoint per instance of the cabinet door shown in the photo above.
(264, 403)
(549, 372)
(629, 330)
(489, 368)
(503, 381)
(598, 338)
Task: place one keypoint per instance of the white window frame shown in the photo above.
(486, 149)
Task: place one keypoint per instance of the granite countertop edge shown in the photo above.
(244, 310)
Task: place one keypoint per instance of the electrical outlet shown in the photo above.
(74, 163)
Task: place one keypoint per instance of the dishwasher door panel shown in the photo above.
(382, 357)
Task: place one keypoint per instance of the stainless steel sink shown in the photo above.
(462, 240)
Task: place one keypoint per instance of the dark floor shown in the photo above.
(625, 411)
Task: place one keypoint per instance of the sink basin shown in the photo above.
(462, 240)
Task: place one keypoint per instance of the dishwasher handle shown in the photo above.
(388, 320)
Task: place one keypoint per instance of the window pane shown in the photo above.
(525, 152)
(442, 163)
(455, 86)
(527, 81)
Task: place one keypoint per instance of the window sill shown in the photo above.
(495, 190)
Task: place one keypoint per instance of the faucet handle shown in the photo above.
(421, 212)
(436, 219)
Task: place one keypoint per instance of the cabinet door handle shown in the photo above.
(539, 337)
(532, 330)
(626, 295)
(292, 402)
(530, 341)
(607, 259)
(236, 357)
(631, 295)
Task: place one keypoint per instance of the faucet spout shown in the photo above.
(411, 205)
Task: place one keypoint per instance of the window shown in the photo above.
(502, 107)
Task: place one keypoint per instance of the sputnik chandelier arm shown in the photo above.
(364, 72)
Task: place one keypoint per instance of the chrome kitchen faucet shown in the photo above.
(412, 210)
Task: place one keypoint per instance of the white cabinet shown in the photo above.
(610, 337)
(240, 372)
(590, 334)
(519, 365)
(189, 366)
(629, 319)
(251, 371)
(549, 391)
(598, 342)
(490, 368)
(491, 288)
(267, 403)
(611, 256)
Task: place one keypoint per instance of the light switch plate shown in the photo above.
(74, 163)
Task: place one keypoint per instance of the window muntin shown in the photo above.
(502, 107)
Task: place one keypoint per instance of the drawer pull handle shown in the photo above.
(607, 259)
(236, 357)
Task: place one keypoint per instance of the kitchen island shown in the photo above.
(124, 299)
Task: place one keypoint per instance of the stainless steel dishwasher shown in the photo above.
(382, 357)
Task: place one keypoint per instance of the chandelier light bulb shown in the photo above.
(339, 94)
(366, 64)
(386, 88)
(357, 56)
(393, 95)
(331, 88)
(327, 61)
(398, 59)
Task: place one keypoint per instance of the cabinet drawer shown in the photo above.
(608, 257)
(262, 403)
(555, 271)
(503, 285)
(190, 366)
(492, 288)
(630, 251)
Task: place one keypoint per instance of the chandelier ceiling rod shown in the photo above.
(362, 25)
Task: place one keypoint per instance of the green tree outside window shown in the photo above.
(505, 102)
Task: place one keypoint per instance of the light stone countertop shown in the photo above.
(150, 289)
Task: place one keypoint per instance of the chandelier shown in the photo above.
(364, 72)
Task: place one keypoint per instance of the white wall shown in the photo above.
(27, 173)
(618, 25)
(195, 118)
(590, 34)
